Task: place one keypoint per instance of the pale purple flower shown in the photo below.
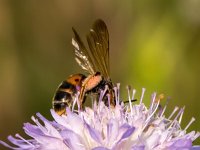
(125, 127)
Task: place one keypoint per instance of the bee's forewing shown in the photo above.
(98, 41)
(96, 58)
(81, 56)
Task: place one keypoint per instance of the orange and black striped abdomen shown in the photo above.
(63, 97)
(65, 93)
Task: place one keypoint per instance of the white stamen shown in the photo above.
(175, 109)
(133, 97)
(152, 101)
(163, 111)
(129, 99)
(141, 98)
(197, 135)
(101, 96)
(116, 96)
(151, 115)
(191, 121)
(74, 102)
(128, 90)
(181, 116)
(174, 122)
(164, 108)
(133, 94)
(103, 93)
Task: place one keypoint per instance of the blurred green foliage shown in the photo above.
(153, 44)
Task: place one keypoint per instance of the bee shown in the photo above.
(95, 61)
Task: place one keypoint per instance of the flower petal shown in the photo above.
(73, 140)
(94, 134)
(100, 148)
(195, 148)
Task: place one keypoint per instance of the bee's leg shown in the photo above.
(112, 98)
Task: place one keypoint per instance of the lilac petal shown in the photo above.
(74, 122)
(142, 147)
(195, 148)
(113, 129)
(100, 148)
(53, 144)
(11, 147)
(32, 128)
(153, 140)
(21, 144)
(16, 141)
(73, 140)
(32, 131)
(94, 133)
(42, 117)
(125, 126)
(42, 138)
(181, 143)
(127, 133)
(59, 119)
(48, 142)
(50, 129)
(19, 147)
(122, 129)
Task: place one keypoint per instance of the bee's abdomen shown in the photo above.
(61, 101)
(63, 97)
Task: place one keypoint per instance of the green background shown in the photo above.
(153, 44)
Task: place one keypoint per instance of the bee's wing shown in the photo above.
(98, 41)
(96, 58)
(81, 55)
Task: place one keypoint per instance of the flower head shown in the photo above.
(131, 126)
